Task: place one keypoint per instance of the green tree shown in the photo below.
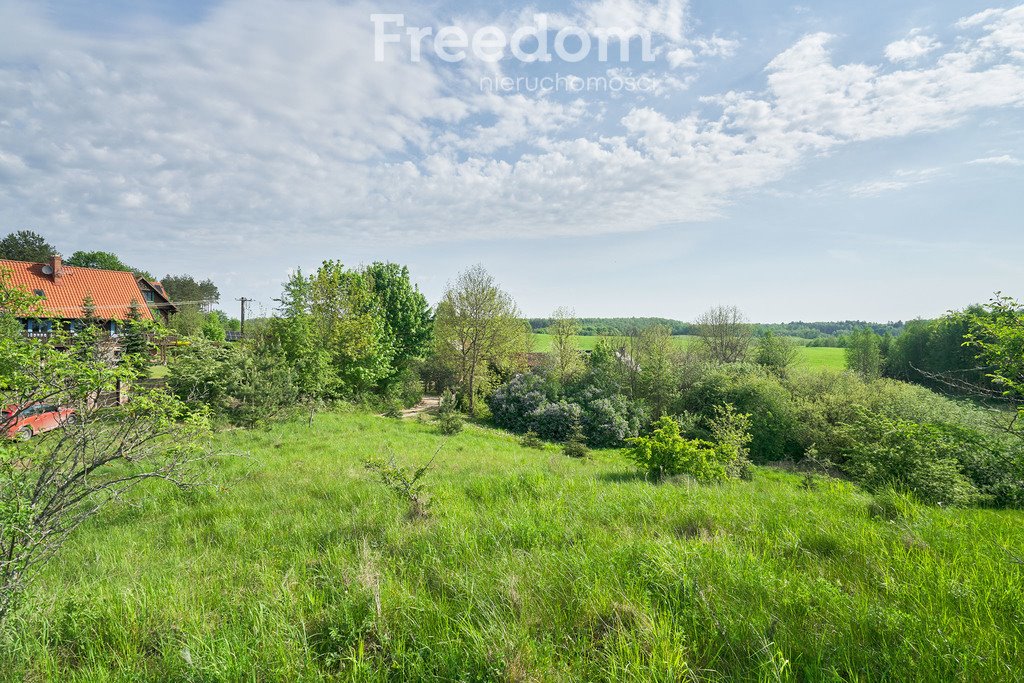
(565, 355)
(775, 353)
(478, 329)
(26, 245)
(213, 328)
(407, 317)
(864, 353)
(135, 342)
(998, 339)
(297, 336)
(334, 330)
(15, 303)
(186, 290)
(104, 260)
(187, 322)
(657, 361)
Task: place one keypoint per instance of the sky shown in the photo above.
(813, 161)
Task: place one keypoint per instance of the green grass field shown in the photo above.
(297, 566)
(807, 357)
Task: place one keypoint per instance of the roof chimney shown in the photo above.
(57, 265)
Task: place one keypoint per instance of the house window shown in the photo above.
(149, 296)
(38, 292)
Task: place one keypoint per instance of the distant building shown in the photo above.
(63, 291)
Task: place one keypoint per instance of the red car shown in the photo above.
(27, 421)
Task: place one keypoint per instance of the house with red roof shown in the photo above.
(65, 290)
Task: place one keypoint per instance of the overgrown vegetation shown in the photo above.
(529, 567)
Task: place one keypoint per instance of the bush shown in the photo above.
(920, 458)
(667, 453)
(405, 388)
(731, 430)
(406, 483)
(513, 404)
(449, 424)
(449, 419)
(244, 384)
(609, 422)
(774, 425)
(556, 421)
(205, 373)
(575, 446)
(265, 388)
(531, 440)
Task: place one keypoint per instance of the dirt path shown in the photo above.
(429, 404)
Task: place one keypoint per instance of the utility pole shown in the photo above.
(243, 301)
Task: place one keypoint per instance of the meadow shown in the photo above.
(298, 566)
(820, 358)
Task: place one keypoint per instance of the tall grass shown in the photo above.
(532, 566)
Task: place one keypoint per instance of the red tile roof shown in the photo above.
(113, 291)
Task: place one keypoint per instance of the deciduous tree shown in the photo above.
(477, 328)
(725, 334)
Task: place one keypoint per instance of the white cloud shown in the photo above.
(663, 17)
(899, 180)
(1001, 160)
(271, 118)
(912, 48)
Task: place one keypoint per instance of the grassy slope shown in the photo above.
(533, 567)
(807, 357)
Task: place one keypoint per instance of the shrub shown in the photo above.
(449, 424)
(205, 373)
(575, 446)
(665, 453)
(921, 458)
(246, 385)
(556, 421)
(611, 421)
(404, 482)
(449, 419)
(404, 388)
(265, 388)
(731, 430)
(513, 404)
(531, 440)
(774, 426)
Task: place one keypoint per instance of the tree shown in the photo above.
(776, 353)
(998, 339)
(725, 334)
(104, 260)
(295, 333)
(187, 322)
(134, 342)
(185, 289)
(864, 353)
(478, 328)
(334, 330)
(213, 328)
(406, 313)
(56, 481)
(565, 354)
(26, 245)
(656, 360)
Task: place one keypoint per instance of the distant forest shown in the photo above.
(823, 331)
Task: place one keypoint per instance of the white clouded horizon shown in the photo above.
(269, 116)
